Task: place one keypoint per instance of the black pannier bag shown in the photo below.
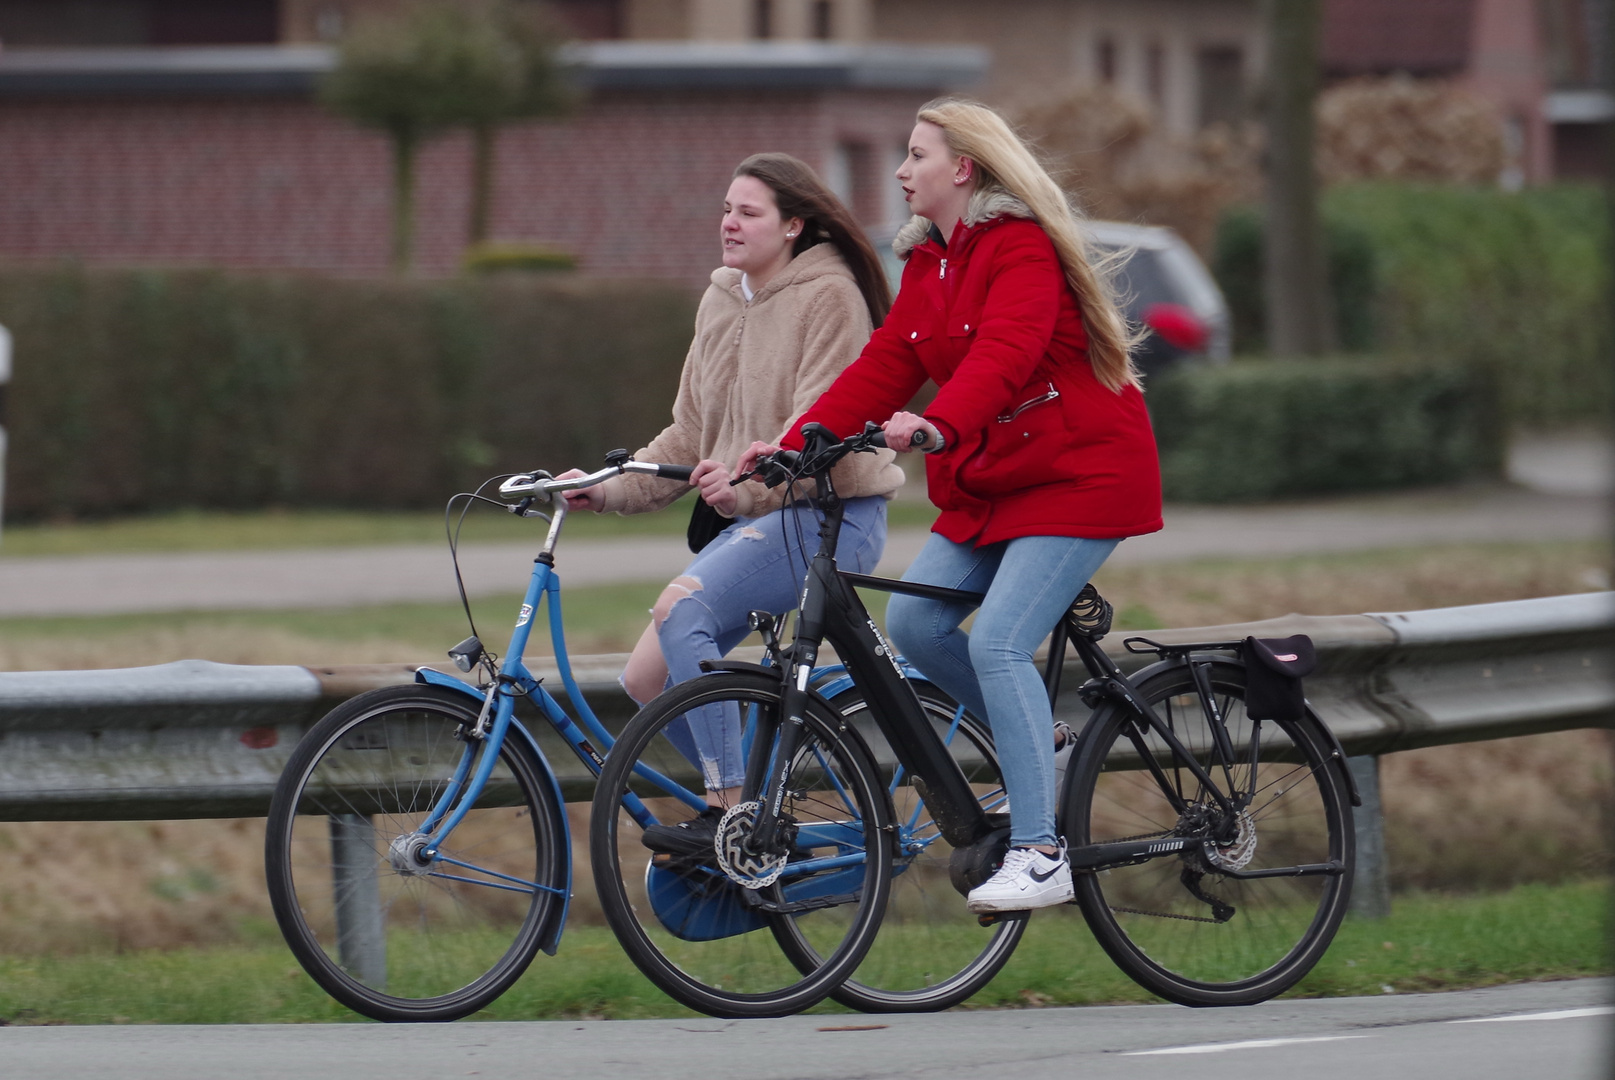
(1274, 668)
(705, 525)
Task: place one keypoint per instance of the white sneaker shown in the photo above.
(1028, 879)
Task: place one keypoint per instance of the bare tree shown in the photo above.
(445, 64)
(534, 86)
(1298, 316)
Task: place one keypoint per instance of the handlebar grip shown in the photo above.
(675, 472)
(919, 438)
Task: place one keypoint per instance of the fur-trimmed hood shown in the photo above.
(985, 203)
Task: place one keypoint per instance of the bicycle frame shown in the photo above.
(830, 610)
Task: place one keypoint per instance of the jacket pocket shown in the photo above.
(914, 334)
(963, 323)
(1022, 447)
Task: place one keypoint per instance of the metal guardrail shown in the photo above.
(199, 739)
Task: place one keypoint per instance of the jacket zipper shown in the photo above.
(942, 271)
(1005, 418)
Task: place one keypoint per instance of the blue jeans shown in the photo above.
(753, 565)
(1028, 583)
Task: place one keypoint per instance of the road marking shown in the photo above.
(1562, 1014)
(1251, 1044)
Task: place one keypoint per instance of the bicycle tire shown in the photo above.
(686, 925)
(1147, 916)
(931, 953)
(401, 944)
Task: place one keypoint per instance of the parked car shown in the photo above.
(1163, 286)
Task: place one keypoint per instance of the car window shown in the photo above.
(1141, 281)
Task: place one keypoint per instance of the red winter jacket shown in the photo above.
(1036, 446)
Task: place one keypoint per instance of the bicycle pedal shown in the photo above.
(989, 919)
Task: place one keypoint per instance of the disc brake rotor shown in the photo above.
(745, 869)
(1235, 855)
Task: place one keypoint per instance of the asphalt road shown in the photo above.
(344, 577)
(1558, 1030)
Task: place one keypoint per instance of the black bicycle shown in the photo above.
(1212, 851)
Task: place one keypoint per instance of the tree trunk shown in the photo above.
(1299, 310)
(483, 137)
(405, 142)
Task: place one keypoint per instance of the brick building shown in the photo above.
(172, 131)
(1538, 62)
(220, 155)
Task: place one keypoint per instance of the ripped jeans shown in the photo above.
(756, 564)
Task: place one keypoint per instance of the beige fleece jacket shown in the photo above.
(751, 371)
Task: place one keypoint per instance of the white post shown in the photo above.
(5, 380)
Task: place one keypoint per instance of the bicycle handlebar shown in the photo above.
(819, 454)
(540, 486)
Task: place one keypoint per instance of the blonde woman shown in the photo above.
(1039, 452)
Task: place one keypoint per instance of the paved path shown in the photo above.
(1567, 499)
(1557, 1029)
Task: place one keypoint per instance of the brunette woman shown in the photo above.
(1039, 451)
(798, 293)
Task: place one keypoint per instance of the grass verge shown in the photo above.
(1431, 942)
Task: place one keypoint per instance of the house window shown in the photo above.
(1222, 84)
(762, 19)
(1155, 73)
(823, 20)
(329, 22)
(894, 205)
(1107, 59)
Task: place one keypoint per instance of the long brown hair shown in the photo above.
(798, 192)
(1004, 160)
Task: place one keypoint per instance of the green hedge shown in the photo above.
(143, 390)
(1515, 284)
(1264, 429)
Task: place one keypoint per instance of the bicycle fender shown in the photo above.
(550, 938)
(1336, 750)
(843, 682)
(432, 677)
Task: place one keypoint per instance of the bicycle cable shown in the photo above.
(452, 527)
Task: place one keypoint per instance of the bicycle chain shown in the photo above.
(1155, 914)
(1160, 914)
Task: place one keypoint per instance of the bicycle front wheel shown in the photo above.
(381, 933)
(931, 953)
(709, 935)
(1203, 926)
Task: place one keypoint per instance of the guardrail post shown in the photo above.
(361, 933)
(1371, 888)
(5, 380)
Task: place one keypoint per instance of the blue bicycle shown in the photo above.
(418, 855)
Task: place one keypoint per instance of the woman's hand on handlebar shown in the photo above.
(900, 431)
(711, 479)
(748, 460)
(589, 498)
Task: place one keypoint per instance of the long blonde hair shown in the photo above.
(1003, 160)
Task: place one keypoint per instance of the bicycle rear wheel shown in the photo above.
(384, 936)
(930, 953)
(1183, 925)
(688, 925)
